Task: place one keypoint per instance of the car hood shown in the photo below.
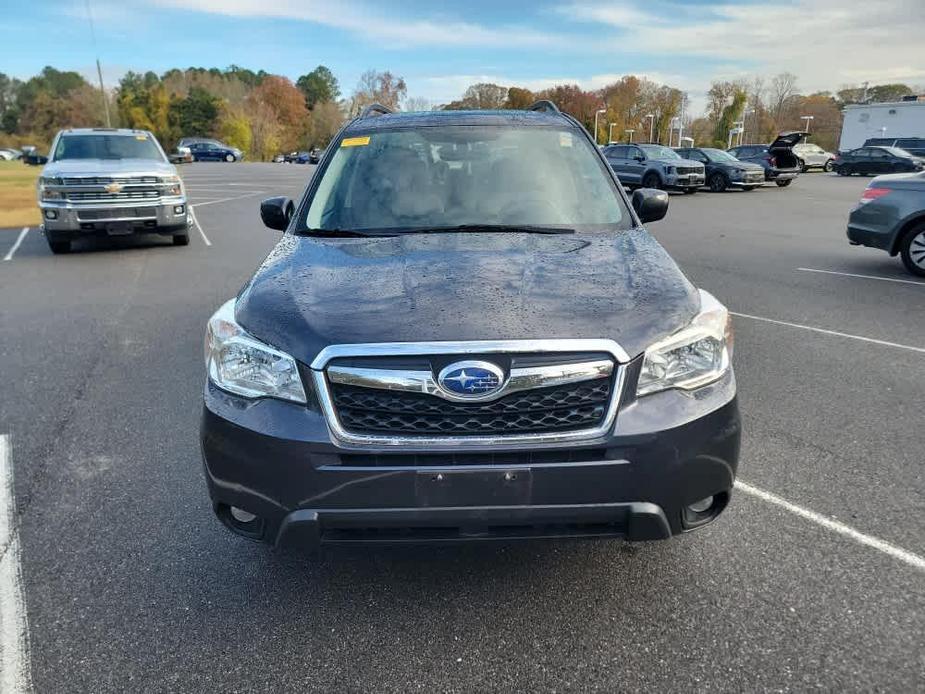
(311, 293)
(787, 140)
(679, 162)
(95, 167)
(739, 165)
(916, 179)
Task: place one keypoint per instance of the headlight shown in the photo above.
(736, 174)
(172, 185)
(45, 193)
(241, 364)
(694, 356)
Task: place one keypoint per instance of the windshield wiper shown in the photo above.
(489, 228)
(342, 233)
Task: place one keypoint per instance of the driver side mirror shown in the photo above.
(276, 212)
(639, 157)
(650, 204)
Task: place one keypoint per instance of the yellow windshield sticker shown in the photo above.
(355, 141)
(141, 137)
(565, 139)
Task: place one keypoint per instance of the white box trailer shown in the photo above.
(890, 119)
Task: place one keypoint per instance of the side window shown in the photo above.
(861, 153)
(879, 154)
(634, 152)
(619, 152)
(916, 143)
(696, 155)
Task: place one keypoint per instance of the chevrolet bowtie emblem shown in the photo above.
(114, 188)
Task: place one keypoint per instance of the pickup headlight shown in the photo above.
(172, 185)
(243, 365)
(694, 356)
(45, 193)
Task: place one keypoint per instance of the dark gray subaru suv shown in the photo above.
(465, 334)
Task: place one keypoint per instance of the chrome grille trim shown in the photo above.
(349, 440)
(424, 381)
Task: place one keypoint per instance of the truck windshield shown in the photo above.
(106, 146)
(414, 179)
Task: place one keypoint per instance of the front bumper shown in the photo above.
(685, 180)
(69, 221)
(276, 460)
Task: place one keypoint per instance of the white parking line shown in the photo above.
(914, 560)
(235, 197)
(17, 244)
(15, 670)
(863, 277)
(823, 331)
(192, 214)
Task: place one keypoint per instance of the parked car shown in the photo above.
(723, 170)
(876, 160)
(654, 166)
(777, 159)
(891, 216)
(182, 155)
(31, 156)
(914, 145)
(208, 150)
(10, 154)
(812, 156)
(279, 159)
(110, 182)
(379, 379)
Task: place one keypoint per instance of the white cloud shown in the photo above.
(374, 25)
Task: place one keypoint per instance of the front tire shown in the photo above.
(59, 247)
(912, 250)
(229, 158)
(717, 183)
(784, 183)
(651, 180)
(181, 240)
(803, 167)
(829, 165)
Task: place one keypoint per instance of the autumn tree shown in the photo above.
(730, 115)
(326, 119)
(519, 98)
(286, 104)
(377, 87)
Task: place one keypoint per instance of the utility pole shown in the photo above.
(99, 70)
(630, 131)
(651, 117)
(807, 119)
(596, 114)
(610, 133)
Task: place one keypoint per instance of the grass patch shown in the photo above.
(17, 194)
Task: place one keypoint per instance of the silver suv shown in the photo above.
(654, 166)
(110, 182)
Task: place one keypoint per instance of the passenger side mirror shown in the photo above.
(276, 212)
(650, 204)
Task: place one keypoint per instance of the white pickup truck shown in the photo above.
(110, 182)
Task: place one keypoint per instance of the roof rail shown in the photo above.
(375, 110)
(544, 105)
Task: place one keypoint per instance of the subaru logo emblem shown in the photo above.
(471, 379)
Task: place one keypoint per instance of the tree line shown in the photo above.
(264, 114)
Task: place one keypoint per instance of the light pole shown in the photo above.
(807, 119)
(610, 133)
(630, 131)
(596, 114)
(651, 118)
(745, 115)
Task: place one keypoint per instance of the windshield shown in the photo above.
(718, 155)
(433, 177)
(659, 152)
(104, 146)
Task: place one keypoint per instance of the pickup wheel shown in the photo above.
(651, 180)
(717, 183)
(181, 240)
(912, 250)
(784, 183)
(58, 247)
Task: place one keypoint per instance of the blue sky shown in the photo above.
(440, 47)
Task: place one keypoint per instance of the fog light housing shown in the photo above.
(51, 214)
(702, 505)
(179, 209)
(704, 510)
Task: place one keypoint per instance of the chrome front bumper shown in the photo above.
(72, 217)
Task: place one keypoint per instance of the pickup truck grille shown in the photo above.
(568, 407)
(117, 213)
(128, 194)
(105, 180)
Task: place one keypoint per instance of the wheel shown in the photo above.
(181, 240)
(828, 166)
(843, 171)
(784, 183)
(803, 168)
(912, 250)
(58, 247)
(690, 191)
(229, 158)
(651, 180)
(717, 183)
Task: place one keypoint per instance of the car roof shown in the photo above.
(445, 118)
(107, 131)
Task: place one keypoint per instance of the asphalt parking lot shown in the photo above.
(814, 578)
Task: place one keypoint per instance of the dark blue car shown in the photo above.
(210, 150)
